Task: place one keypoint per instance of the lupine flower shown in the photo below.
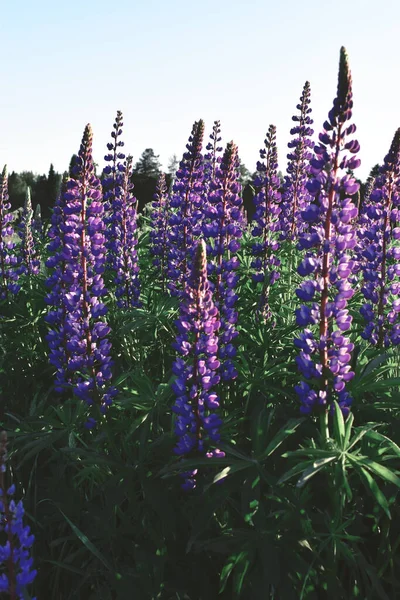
(380, 253)
(84, 252)
(8, 258)
(58, 283)
(121, 217)
(15, 559)
(159, 228)
(327, 266)
(186, 202)
(295, 196)
(30, 262)
(223, 227)
(212, 157)
(266, 218)
(196, 368)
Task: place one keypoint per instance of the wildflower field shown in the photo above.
(197, 404)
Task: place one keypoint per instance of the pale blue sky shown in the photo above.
(167, 64)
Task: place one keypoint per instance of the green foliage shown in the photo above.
(299, 508)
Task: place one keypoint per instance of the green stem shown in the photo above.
(324, 425)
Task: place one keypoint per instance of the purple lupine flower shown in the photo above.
(121, 217)
(186, 204)
(295, 196)
(380, 253)
(15, 554)
(222, 228)
(197, 424)
(266, 220)
(8, 258)
(212, 157)
(84, 330)
(327, 266)
(159, 229)
(30, 262)
(123, 240)
(58, 284)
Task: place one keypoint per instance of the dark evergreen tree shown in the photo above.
(148, 164)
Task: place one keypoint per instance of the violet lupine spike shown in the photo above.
(120, 219)
(88, 348)
(267, 223)
(159, 229)
(58, 283)
(8, 259)
(16, 563)
(212, 157)
(123, 239)
(30, 262)
(325, 352)
(380, 254)
(197, 424)
(111, 177)
(186, 204)
(295, 196)
(223, 228)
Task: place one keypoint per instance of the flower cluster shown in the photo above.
(212, 157)
(197, 423)
(223, 227)
(15, 558)
(80, 262)
(267, 221)
(295, 196)
(159, 228)
(120, 205)
(380, 253)
(57, 283)
(324, 359)
(30, 262)
(186, 204)
(8, 258)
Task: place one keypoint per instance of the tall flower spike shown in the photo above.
(8, 258)
(15, 560)
(295, 196)
(380, 254)
(122, 238)
(212, 157)
(328, 264)
(197, 423)
(89, 362)
(120, 219)
(266, 221)
(30, 262)
(223, 227)
(186, 201)
(159, 229)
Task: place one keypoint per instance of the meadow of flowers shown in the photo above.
(195, 405)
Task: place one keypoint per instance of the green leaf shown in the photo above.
(86, 542)
(378, 469)
(338, 425)
(373, 487)
(282, 434)
(317, 466)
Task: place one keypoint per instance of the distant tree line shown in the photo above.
(45, 188)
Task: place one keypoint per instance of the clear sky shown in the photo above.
(167, 64)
